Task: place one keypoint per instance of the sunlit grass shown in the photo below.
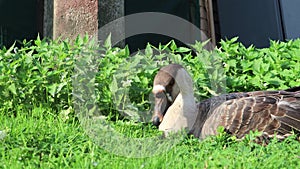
(43, 140)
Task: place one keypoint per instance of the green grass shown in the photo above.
(40, 139)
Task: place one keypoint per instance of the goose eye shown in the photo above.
(160, 95)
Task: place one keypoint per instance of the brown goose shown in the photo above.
(274, 113)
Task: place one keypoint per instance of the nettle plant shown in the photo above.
(39, 74)
(42, 73)
(248, 69)
(36, 74)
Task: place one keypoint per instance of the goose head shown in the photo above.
(175, 107)
(165, 91)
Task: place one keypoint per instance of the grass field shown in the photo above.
(43, 140)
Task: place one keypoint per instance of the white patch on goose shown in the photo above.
(174, 119)
(158, 88)
(289, 104)
(169, 97)
(280, 137)
(273, 117)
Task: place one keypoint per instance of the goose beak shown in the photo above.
(156, 121)
(159, 110)
(158, 115)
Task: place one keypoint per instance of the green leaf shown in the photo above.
(60, 86)
(38, 41)
(114, 85)
(127, 51)
(148, 50)
(173, 46)
(183, 50)
(232, 63)
(256, 81)
(257, 66)
(265, 67)
(165, 47)
(107, 42)
(8, 52)
(274, 81)
(246, 65)
(12, 88)
(52, 89)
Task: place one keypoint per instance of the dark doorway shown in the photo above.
(188, 10)
(20, 20)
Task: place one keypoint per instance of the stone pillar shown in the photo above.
(75, 17)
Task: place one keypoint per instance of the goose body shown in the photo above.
(273, 113)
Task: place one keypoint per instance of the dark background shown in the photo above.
(186, 9)
(19, 20)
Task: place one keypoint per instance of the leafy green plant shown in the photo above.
(44, 72)
(248, 69)
(35, 74)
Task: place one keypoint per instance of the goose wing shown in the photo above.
(268, 112)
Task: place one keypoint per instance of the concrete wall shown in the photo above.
(75, 17)
(68, 18)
